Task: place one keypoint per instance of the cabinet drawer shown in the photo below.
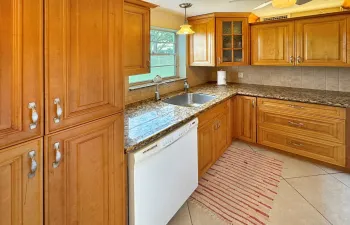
(329, 152)
(213, 112)
(326, 129)
(302, 110)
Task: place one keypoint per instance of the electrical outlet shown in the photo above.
(240, 75)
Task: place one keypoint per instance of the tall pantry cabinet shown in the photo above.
(61, 142)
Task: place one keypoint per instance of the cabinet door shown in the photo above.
(85, 174)
(246, 118)
(222, 132)
(84, 75)
(202, 42)
(273, 44)
(136, 39)
(21, 73)
(206, 151)
(322, 41)
(21, 188)
(232, 36)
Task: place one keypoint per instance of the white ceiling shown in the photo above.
(208, 6)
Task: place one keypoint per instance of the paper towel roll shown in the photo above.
(221, 77)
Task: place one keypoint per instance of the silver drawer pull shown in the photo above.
(296, 144)
(35, 115)
(296, 106)
(295, 124)
(59, 110)
(58, 155)
(291, 59)
(33, 164)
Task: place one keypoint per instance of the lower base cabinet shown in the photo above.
(245, 118)
(214, 135)
(21, 188)
(85, 174)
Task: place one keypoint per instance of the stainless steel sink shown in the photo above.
(189, 99)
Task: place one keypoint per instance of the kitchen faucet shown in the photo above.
(186, 86)
(158, 81)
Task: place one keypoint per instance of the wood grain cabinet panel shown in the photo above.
(83, 44)
(21, 188)
(202, 42)
(21, 73)
(322, 41)
(222, 134)
(318, 149)
(206, 153)
(87, 186)
(136, 41)
(245, 121)
(273, 44)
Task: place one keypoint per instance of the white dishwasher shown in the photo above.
(162, 176)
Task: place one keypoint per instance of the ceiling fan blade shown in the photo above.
(263, 5)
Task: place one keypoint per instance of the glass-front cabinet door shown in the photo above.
(232, 41)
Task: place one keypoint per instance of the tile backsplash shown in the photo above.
(321, 78)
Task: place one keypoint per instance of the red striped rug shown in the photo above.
(240, 187)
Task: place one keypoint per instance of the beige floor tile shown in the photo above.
(200, 216)
(240, 144)
(343, 177)
(290, 208)
(182, 217)
(329, 169)
(328, 195)
(292, 167)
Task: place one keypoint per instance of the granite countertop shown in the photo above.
(148, 120)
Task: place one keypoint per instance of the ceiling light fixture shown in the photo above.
(283, 3)
(185, 28)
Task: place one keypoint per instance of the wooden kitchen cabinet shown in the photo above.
(206, 153)
(201, 49)
(21, 73)
(83, 51)
(137, 28)
(323, 41)
(21, 188)
(214, 135)
(232, 45)
(273, 44)
(85, 173)
(245, 118)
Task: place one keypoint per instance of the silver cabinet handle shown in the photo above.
(291, 60)
(296, 106)
(58, 155)
(296, 144)
(295, 124)
(299, 59)
(253, 103)
(33, 164)
(59, 110)
(35, 115)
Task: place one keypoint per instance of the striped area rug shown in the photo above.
(240, 187)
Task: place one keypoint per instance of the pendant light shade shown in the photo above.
(283, 3)
(185, 28)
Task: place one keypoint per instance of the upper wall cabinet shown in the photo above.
(201, 49)
(220, 39)
(83, 47)
(273, 44)
(137, 37)
(314, 41)
(21, 73)
(323, 41)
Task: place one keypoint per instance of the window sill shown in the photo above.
(141, 86)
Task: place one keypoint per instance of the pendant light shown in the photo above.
(185, 28)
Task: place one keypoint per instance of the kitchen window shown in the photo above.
(163, 57)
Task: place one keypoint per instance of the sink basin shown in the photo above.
(189, 99)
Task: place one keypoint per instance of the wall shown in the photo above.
(321, 78)
(166, 19)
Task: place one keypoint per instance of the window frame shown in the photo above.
(177, 75)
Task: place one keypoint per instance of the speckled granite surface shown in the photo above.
(147, 121)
